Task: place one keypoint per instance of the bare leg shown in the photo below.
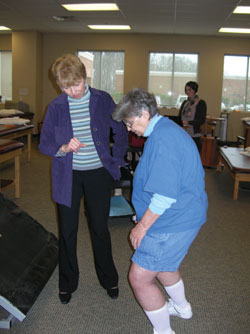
(174, 286)
(169, 278)
(147, 293)
(150, 297)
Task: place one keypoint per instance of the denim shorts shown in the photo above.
(164, 252)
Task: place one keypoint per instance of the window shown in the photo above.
(6, 75)
(236, 83)
(168, 74)
(105, 71)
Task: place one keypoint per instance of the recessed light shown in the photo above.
(109, 27)
(91, 6)
(235, 30)
(242, 10)
(4, 28)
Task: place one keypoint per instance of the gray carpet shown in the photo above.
(216, 271)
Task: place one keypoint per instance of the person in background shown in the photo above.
(76, 134)
(193, 112)
(170, 202)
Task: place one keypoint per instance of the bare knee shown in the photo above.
(140, 278)
(134, 277)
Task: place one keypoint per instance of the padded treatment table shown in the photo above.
(11, 149)
(28, 257)
(236, 164)
(11, 131)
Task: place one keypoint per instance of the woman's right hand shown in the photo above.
(73, 146)
(137, 234)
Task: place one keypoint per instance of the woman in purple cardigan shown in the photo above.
(76, 134)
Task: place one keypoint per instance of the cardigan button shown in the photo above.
(94, 129)
(98, 143)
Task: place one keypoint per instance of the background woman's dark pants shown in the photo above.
(95, 186)
(197, 141)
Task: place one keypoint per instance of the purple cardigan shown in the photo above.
(57, 130)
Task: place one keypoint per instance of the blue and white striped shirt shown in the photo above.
(87, 157)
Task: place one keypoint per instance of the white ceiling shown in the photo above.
(196, 17)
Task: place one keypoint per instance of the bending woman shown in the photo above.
(170, 202)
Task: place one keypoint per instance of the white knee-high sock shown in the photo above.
(177, 293)
(160, 320)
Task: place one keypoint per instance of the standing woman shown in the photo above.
(170, 202)
(76, 134)
(193, 112)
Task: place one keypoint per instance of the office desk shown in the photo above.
(236, 164)
(10, 131)
(11, 149)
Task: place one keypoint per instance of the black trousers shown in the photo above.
(95, 186)
(197, 141)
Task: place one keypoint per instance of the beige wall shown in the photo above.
(5, 42)
(137, 47)
(34, 53)
(27, 70)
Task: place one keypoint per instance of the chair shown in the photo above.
(119, 205)
(244, 141)
(207, 128)
(135, 149)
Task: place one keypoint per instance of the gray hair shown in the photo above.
(132, 104)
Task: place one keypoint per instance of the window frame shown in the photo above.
(6, 88)
(119, 94)
(173, 76)
(246, 95)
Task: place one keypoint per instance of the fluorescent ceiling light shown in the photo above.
(91, 6)
(235, 30)
(4, 28)
(242, 10)
(109, 27)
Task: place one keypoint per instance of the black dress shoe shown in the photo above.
(113, 292)
(64, 297)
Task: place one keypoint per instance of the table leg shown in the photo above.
(17, 176)
(236, 188)
(219, 165)
(29, 146)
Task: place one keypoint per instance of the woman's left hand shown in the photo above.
(137, 234)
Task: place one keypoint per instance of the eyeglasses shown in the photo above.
(130, 124)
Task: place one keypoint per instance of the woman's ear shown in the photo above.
(145, 114)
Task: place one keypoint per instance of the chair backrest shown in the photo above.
(247, 137)
(135, 141)
(207, 128)
(23, 106)
(10, 104)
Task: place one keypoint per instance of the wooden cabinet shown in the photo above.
(209, 154)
